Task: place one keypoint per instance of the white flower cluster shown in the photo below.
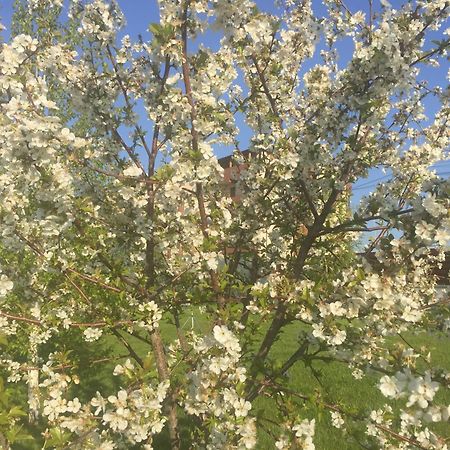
(419, 390)
(393, 296)
(412, 427)
(300, 436)
(13, 368)
(260, 31)
(135, 414)
(127, 368)
(55, 405)
(101, 20)
(336, 419)
(152, 315)
(437, 227)
(6, 285)
(132, 171)
(35, 4)
(8, 327)
(304, 432)
(333, 336)
(13, 54)
(92, 334)
(377, 418)
(213, 390)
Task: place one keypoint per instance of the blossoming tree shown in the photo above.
(116, 226)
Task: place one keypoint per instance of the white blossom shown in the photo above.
(5, 284)
(92, 334)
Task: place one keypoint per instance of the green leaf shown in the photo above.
(15, 434)
(15, 411)
(58, 438)
(161, 33)
(3, 339)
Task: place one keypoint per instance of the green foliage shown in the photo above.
(12, 429)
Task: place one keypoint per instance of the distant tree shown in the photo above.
(116, 225)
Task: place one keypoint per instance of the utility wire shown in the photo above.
(373, 183)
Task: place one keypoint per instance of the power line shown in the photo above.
(368, 183)
(371, 183)
(374, 183)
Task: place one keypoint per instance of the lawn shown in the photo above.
(334, 379)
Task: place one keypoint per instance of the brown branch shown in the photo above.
(80, 291)
(433, 305)
(155, 138)
(427, 55)
(21, 319)
(40, 253)
(170, 404)
(127, 100)
(94, 280)
(70, 366)
(280, 315)
(118, 138)
(180, 333)
(271, 100)
(311, 205)
(150, 249)
(117, 176)
(313, 232)
(353, 223)
(383, 232)
(195, 145)
(98, 324)
(128, 346)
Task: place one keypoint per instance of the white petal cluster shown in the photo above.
(6, 285)
(419, 390)
(92, 334)
(304, 432)
(336, 419)
(11, 56)
(100, 20)
(96, 238)
(213, 392)
(35, 4)
(151, 315)
(132, 171)
(334, 336)
(136, 414)
(300, 435)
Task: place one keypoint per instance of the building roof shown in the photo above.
(227, 161)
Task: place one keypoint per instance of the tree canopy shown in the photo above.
(141, 306)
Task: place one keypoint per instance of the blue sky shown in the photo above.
(140, 13)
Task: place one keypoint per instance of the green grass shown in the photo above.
(332, 379)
